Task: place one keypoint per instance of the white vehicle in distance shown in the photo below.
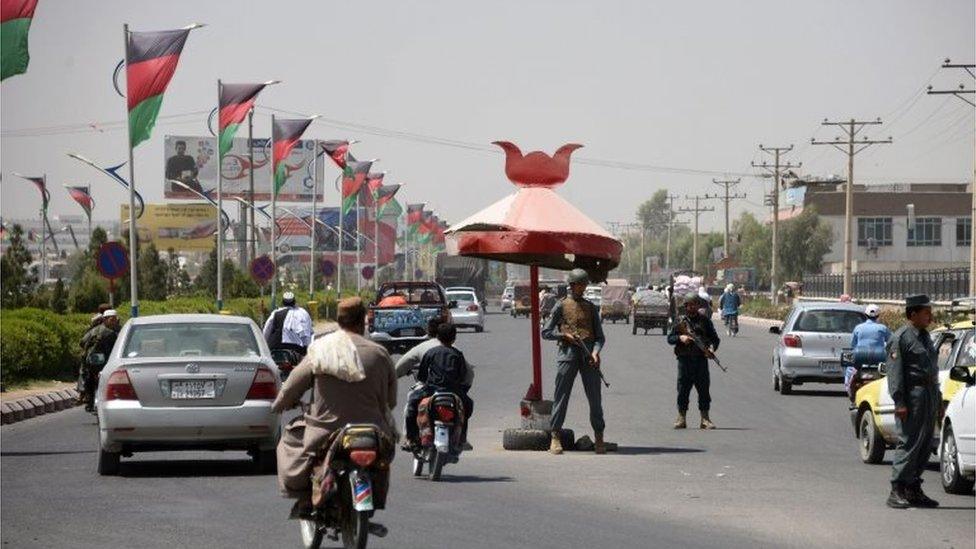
(187, 382)
(467, 311)
(594, 294)
(508, 296)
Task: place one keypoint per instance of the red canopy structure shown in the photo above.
(535, 226)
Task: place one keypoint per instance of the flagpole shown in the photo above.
(339, 268)
(315, 192)
(359, 244)
(250, 178)
(274, 222)
(220, 208)
(376, 242)
(133, 235)
(43, 234)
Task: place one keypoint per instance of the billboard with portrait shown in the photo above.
(192, 160)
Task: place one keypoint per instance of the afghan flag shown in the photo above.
(383, 197)
(41, 183)
(235, 101)
(424, 228)
(82, 195)
(285, 133)
(415, 213)
(373, 183)
(338, 151)
(15, 22)
(353, 177)
(150, 61)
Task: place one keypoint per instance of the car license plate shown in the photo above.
(830, 367)
(408, 332)
(191, 389)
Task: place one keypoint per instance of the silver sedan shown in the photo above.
(189, 381)
(467, 311)
(811, 341)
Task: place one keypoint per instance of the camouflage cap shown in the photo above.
(577, 276)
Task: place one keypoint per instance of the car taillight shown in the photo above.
(119, 387)
(363, 458)
(263, 387)
(473, 307)
(445, 413)
(792, 340)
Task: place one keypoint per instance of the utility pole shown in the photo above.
(959, 93)
(853, 146)
(671, 223)
(775, 170)
(728, 183)
(697, 210)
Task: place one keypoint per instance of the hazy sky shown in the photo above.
(688, 85)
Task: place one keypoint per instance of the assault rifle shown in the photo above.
(683, 328)
(589, 354)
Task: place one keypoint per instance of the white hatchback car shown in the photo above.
(188, 381)
(957, 447)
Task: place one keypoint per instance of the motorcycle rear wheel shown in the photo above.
(355, 529)
(437, 461)
(311, 533)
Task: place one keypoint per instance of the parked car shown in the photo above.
(811, 342)
(187, 381)
(873, 411)
(594, 293)
(508, 296)
(398, 319)
(466, 310)
(957, 447)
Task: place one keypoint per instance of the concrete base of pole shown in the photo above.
(536, 414)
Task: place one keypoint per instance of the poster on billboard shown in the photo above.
(183, 227)
(192, 160)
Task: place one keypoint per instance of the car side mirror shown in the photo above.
(883, 368)
(452, 304)
(775, 330)
(961, 373)
(97, 359)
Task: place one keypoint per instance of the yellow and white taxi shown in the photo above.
(873, 411)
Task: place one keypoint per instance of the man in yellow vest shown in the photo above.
(575, 324)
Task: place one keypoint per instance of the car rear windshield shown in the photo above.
(460, 296)
(191, 339)
(828, 321)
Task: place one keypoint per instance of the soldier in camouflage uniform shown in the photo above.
(575, 317)
(913, 382)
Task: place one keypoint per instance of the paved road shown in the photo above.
(782, 471)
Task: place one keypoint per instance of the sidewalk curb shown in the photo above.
(37, 405)
(760, 321)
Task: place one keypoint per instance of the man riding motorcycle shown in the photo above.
(352, 382)
(729, 303)
(102, 340)
(442, 368)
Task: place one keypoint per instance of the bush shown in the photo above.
(762, 307)
(30, 349)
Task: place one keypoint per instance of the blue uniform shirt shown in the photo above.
(869, 340)
(729, 302)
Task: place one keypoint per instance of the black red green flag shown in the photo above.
(235, 101)
(424, 229)
(373, 183)
(15, 22)
(353, 177)
(82, 195)
(285, 133)
(338, 151)
(41, 183)
(383, 197)
(150, 61)
(415, 214)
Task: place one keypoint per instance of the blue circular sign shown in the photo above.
(113, 260)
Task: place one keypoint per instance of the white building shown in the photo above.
(883, 239)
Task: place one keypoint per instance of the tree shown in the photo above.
(653, 213)
(18, 281)
(754, 245)
(152, 274)
(59, 298)
(87, 292)
(805, 240)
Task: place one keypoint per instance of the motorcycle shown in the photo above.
(344, 481)
(286, 359)
(731, 325)
(440, 419)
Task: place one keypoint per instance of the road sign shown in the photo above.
(262, 269)
(368, 272)
(113, 260)
(327, 267)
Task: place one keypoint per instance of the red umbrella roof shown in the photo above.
(534, 225)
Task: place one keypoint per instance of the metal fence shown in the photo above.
(938, 284)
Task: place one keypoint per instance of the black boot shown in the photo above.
(917, 497)
(897, 499)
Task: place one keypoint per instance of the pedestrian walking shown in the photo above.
(694, 338)
(575, 324)
(913, 382)
(289, 327)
